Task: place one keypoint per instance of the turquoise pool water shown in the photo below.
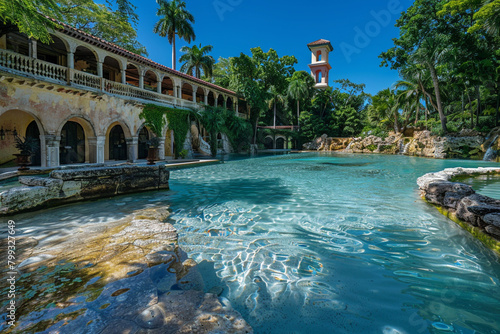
(488, 185)
(319, 243)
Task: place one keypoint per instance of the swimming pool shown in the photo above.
(319, 243)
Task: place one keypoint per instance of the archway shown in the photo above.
(150, 81)
(229, 104)
(319, 76)
(32, 131)
(111, 69)
(85, 60)
(268, 143)
(18, 122)
(220, 101)
(280, 143)
(117, 143)
(211, 99)
(72, 146)
(319, 56)
(132, 75)
(187, 92)
(56, 52)
(167, 86)
(200, 95)
(18, 43)
(143, 143)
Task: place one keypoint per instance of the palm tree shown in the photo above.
(298, 90)
(213, 121)
(196, 59)
(174, 20)
(384, 108)
(275, 97)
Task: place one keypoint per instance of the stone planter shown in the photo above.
(23, 160)
(153, 153)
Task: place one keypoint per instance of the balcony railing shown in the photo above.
(39, 69)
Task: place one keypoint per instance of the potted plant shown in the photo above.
(153, 150)
(27, 147)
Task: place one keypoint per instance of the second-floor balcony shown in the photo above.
(101, 67)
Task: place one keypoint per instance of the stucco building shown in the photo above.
(81, 97)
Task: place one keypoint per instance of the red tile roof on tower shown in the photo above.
(91, 39)
(320, 42)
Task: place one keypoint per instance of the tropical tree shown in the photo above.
(197, 59)
(298, 89)
(213, 121)
(275, 97)
(175, 20)
(385, 109)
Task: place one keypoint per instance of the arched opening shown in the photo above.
(200, 95)
(150, 81)
(211, 99)
(111, 69)
(85, 60)
(18, 43)
(319, 56)
(19, 122)
(220, 101)
(229, 104)
(280, 143)
(268, 143)
(56, 52)
(32, 131)
(319, 77)
(143, 143)
(167, 86)
(187, 92)
(132, 75)
(72, 146)
(117, 143)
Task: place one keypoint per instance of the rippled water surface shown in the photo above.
(312, 243)
(336, 244)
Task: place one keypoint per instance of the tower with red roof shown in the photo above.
(320, 66)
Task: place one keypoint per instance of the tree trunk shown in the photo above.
(417, 110)
(435, 82)
(478, 95)
(274, 122)
(173, 53)
(298, 113)
(498, 106)
(470, 109)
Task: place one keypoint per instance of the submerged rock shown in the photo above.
(128, 277)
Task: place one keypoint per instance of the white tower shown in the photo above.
(320, 66)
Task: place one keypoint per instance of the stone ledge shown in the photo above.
(476, 213)
(72, 185)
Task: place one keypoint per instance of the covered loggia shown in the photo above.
(56, 52)
(132, 75)
(85, 60)
(187, 92)
(111, 69)
(150, 81)
(229, 103)
(20, 123)
(167, 86)
(211, 99)
(220, 101)
(200, 95)
(16, 42)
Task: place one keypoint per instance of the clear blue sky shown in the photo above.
(235, 26)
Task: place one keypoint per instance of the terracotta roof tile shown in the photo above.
(321, 42)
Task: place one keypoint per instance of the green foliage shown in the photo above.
(26, 145)
(183, 154)
(197, 59)
(213, 119)
(155, 118)
(372, 147)
(24, 14)
(102, 21)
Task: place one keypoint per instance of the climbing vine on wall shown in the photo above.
(155, 118)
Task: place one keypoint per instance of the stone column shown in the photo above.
(71, 60)
(175, 90)
(51, 150)
(158, 87)
(124, 77)
(236, 107)
(224, 104)
(195, 89)
(206, 98)
(161, 149)
(132, 148)
(33, 53)
(96, 149)
(99, 69)
(141, 80)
